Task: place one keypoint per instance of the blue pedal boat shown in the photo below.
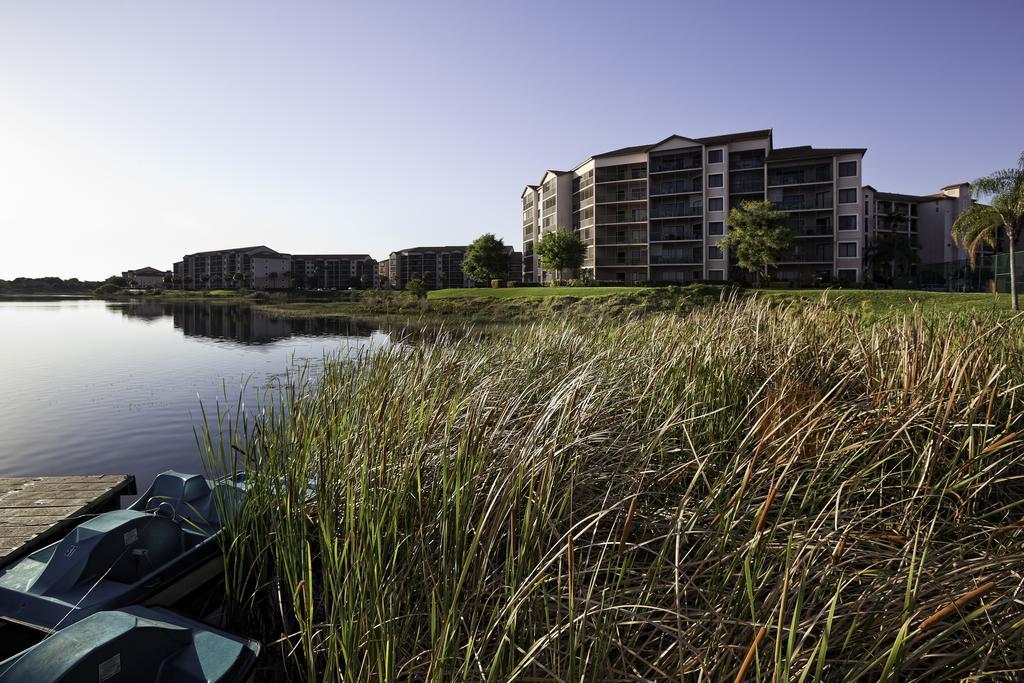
(134, 644)
(158, 550)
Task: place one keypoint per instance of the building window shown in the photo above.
(847, 222)
(847, 196)
(847, 274)
(716, 228)
(716, 203)
(847, 169)
(716, 274)
(847, 250)
(716, 180)
(714, 252)
(715, 156)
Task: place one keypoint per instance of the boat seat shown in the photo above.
(123, 546)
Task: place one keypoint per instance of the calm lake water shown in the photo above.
(92, 387)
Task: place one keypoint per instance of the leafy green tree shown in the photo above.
(560, 250)
(417, 287)
(985, 223)
(486, 259)
(759, 234)
(117, 281)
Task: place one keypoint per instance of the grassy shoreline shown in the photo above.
(782, 489)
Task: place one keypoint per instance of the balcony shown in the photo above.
(667, 166)
(800, 176)
(677, 187)
(677, 211)
(609, 237)
(619, 218)
(744, 187)
(753, 158)
(620, 173)
(677, 234)
(677, 258)
(633, 194)
(812, 229)
(795, 200)
(809, 253)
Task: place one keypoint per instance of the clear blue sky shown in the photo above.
(133, 132)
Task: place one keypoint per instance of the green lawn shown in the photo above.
(529, 292)
(882, 300)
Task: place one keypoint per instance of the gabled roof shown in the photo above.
(332, 257)
(147, 271)
(557, 173)
(950, 187)
(624, 150)
(532, 188)
(428, 250)
(808, 152)
(656, 145)
(736, 137)
(261, 249)
(898, 197)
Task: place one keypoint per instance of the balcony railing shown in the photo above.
(812, 255)
(628, 238)
(678, 211)
(800, 203)
(736, 188)
(634, 195)
(676, 259)
(811, 230)
(621, 175)
(677, 188)
(676, 235)
(799, 177)
(686, 164)
(638, 217)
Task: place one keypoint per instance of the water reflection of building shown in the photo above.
(241, 323)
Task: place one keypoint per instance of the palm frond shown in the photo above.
(976, 226)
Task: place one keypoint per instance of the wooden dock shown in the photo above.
(35, 511)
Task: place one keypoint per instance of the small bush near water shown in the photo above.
(747, 492)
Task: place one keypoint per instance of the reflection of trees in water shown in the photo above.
(241, 323)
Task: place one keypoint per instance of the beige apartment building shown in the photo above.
(440, 267)
(259, 267)
(656, 212)
(333, 271)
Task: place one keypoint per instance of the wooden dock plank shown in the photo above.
(35, 511)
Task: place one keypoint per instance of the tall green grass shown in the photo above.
(751, 492)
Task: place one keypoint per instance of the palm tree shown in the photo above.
(237, 278)
(204, 278)
(889, 251)
(985, 223)
(168, 280)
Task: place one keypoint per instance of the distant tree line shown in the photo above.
(47, 285)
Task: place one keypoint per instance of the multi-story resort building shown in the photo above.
(333, 271)
(657, 212)
(440, 267)
(260, 267)
(926, 221)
